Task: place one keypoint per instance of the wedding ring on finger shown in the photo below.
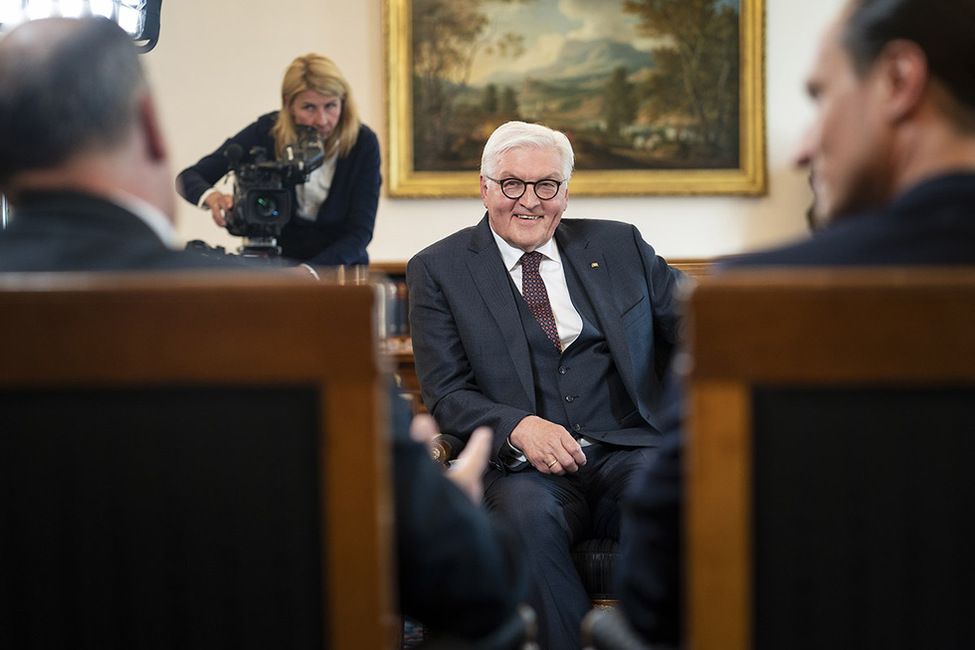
(554, 460)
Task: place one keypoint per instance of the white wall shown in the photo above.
(219, 63)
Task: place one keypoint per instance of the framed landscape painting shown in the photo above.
(658, 97)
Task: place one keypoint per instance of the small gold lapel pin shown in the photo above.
(595, 265)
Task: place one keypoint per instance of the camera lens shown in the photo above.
(267, 207)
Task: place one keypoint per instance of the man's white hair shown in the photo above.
(523, 135)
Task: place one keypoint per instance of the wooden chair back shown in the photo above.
(192, 461)
(830, 445)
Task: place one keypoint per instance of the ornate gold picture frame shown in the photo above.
(658, 97)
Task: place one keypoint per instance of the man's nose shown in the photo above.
(529, 199)
(802, 156)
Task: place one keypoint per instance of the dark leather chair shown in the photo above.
(595, 560)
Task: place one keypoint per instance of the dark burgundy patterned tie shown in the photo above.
(533, 291)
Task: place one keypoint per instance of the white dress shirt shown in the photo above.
(313, 192)
(567, 319)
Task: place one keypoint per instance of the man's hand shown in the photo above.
(423, 429)
(547, 446)
(467, 471)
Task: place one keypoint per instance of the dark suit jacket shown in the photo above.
(933, 223)
(67, 231)
(471, 353)
(345, 221)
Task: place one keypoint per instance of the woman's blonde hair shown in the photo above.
(318, 73)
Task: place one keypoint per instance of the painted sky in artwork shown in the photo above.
(547, 26)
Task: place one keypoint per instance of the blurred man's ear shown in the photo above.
(904, 67)
(149, 124)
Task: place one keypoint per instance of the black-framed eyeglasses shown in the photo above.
(514, 188)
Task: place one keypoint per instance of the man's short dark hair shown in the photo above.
(943, 29)
(65, 95)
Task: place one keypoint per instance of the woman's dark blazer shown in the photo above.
(344, 224)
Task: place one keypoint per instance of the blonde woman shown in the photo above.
(336, 207)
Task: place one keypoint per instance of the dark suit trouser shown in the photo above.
(552, 513)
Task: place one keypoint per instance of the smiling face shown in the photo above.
(526, 222)
(311, 108)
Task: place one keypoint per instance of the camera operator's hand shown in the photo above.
(219, 203)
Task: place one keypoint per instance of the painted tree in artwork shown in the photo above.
(444, 36)
(447, 35)
(620, 107)
(698, 66)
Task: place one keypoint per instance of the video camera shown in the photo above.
(263, 190)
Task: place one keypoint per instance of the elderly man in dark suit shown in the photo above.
(556, 334)
(891, 153)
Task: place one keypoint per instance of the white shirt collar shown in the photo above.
(512, 256)
(151, 216)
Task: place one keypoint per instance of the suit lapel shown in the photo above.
(494, 284)
(590, 264)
